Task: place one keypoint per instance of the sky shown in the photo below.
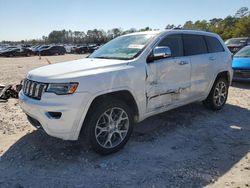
(31, 19)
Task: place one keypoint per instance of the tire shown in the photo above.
(104, 134)
(218, 94)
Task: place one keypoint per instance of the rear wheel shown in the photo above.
(109, 126)
(218, 94)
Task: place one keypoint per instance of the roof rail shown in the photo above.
(179, 28)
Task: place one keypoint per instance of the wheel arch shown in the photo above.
(122, 94)
(224, 74)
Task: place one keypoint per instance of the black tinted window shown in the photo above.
(213, 44)
(194, 44)
(174, 42)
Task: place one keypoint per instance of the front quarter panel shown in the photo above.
(129, 77)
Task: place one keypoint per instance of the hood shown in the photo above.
(74, 69)
(241, 63)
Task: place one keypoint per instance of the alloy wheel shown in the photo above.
(220, 93)
(112, 127)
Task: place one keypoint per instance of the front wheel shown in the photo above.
(218, 94)
(109, 126)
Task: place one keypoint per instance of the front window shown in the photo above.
(244, 52)
(124, 47)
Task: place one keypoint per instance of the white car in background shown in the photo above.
(127, 80)
(69, 48)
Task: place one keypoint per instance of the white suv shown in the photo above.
(127, 80)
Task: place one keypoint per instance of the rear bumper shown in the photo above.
(72, 108)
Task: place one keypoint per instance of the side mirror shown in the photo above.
(159, 53)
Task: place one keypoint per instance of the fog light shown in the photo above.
(55, 115)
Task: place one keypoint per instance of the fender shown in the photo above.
(85, 108)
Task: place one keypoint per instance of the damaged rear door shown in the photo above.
(169, 79)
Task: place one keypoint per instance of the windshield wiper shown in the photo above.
(106, 57)
(103, 57)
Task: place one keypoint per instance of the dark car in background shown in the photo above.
(86, 49)
(235, 44)
(53, 50)
(92, 48)
(12, 52)
(241, 65)
(81, 49)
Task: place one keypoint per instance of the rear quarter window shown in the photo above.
(214, 45)
(194, 44)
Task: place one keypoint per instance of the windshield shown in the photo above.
(244, 52)
(124, 47)
(236, 41)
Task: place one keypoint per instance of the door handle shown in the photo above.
(211, 58)
(183, 62)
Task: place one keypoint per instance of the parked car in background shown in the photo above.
(38, 48)
(126, 81)
(7, 48)
(92, 48)
(33, 48)
(81, 49)
(241, 65)
(70, 48)
(86, 49)
(53, 50)
(11, 52)
(235, 44)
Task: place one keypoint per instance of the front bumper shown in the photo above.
(241, 75)
(71, 107)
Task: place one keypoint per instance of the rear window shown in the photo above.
(213, 45)
(194, 44)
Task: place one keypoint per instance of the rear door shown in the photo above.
(168, 79)
(217, 55)
(195, 47)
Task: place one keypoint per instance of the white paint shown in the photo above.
(148, 84)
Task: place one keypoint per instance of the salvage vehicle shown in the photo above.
(11, 52)
(127, 80)
(241, 65)
(53, 50)
(235, 44)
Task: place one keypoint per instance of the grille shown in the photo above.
(241, 74)
(33, 89)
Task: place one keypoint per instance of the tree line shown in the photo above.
(229, 27)
(237, 25)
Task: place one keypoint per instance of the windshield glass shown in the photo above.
(124, 47)
(244, 52)
(236, 41)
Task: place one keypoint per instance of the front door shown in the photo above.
(168, 79)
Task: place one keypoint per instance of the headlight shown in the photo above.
(62, 88)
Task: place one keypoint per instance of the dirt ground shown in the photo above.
(186, 147)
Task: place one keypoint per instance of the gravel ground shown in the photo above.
(186, 147)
